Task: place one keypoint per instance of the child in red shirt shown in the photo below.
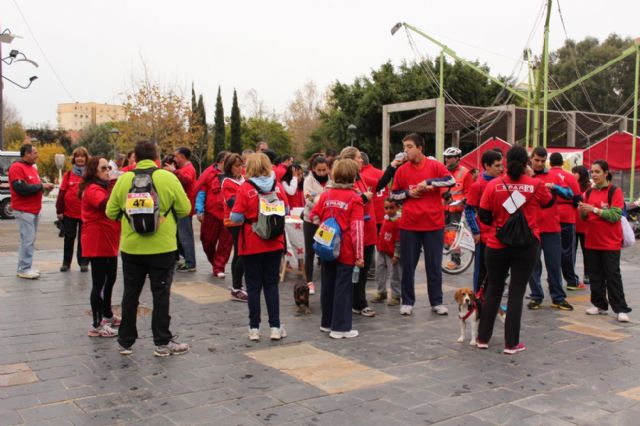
(388, 259)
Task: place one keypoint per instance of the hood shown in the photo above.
(265, 183)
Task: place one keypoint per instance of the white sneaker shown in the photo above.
(440, 310)
(254, 334)
(29, 274)
(594, 310)
(406, 309)
(325, 329)
(312, 288)
(220, 275)
(343, 334)
(623, 317)
(278, 333)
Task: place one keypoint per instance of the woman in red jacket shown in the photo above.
(68, 209)
(100, 241)
(260, 257)
(602, 209)
(231, 182)
(501, 197)
(360, 305)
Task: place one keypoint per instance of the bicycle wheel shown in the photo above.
(455, 258)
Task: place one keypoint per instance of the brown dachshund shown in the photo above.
(301, 297)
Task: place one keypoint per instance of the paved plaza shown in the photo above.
(400, 371)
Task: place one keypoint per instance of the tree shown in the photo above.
(97, 140)
(46, 135)
(302, 117)
(267, 129)
(235, 144)
(14, 134)
(201, 148)
(219, 131)
(46, 160)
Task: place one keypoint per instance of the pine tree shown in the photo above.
(218, 124)
(236, 143)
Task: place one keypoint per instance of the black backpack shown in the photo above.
(271, 214)
(516, 231)
(142, 208)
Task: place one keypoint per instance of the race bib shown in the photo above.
(324, 235)
(269, 208)
(141, 203)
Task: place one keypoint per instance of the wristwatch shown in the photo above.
(596, 211)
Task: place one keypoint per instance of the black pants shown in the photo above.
(72, 229)
(262, 273)
(499, 261)
(103, 276)
(135, 268)
(360, 288)
(308, 230)
(605, 280)
(237, 268)
(580, 241)
(335, 296)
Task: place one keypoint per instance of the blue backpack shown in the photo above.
(327, 239)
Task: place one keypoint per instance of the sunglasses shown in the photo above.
(105, 168)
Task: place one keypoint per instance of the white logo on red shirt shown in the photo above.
(516, 187)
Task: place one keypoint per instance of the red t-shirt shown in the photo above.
(229, 190)
(566, 209)
(371, 177)
(297, 199)
(247, 204)
(473, 200)
(100, 235)
(427, 212)
(550, 219)
(280, 171)
(210, 183)
(495, 194)
(70, 185)
(345, 205)
(389, 235)
(601, 234)
(29, 174)
(129, 168)
(187, 177)
(370, 229)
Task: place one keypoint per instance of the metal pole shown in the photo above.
(441, 74)
(635, 123)
(527, 134)
(440, 111)
(1, 103)
(545, 63)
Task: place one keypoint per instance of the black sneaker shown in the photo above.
(534, 305)
(563, 306)
(84, 268)
(64, 267)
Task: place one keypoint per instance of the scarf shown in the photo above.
(321, 179)
(77, 170)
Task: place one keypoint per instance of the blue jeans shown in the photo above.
(568, 235)
(336, 295)
(479, 267)
(551, 246)
(185, 236)
(411, 242)
(28, 225)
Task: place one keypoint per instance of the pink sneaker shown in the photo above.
(114, 321)
(514, 349)
(102, 331)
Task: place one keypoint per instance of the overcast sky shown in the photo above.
(97, 47)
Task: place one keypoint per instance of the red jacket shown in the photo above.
(566, 208)
(247, 204)
(345, 205)
(31, 203)
(495, 194)
(297, 199)
(601, 234)
(549, 221)
(210, 183)
(427, 212)
(229, 190)
(371, 177)
(68, 202)
(280, 170)
(389, 236)
(187, 177)
(100, 235)
(370, 229)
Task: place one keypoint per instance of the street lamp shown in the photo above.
(114, 134)
(352, 133)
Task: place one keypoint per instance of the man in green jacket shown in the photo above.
(151, 254)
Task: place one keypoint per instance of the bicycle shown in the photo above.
(458, 239)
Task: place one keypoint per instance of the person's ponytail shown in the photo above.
(517, 159)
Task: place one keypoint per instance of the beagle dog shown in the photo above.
(467, 310)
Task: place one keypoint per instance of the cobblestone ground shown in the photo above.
(400, 371)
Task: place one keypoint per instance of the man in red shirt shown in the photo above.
(281, 169)
(26, 201)
(186, 174)
(567, 214)
(550, 242)
(418, 184)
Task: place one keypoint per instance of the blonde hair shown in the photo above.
(258, 164)
(80, 151)
(349, 152)
(345, 171)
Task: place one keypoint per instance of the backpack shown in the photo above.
(142, 208)
(327, 239)
(516, 231)
(271, 212)
(628, 235)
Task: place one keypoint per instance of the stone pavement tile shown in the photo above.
(332, 418)
(297, 392)
(282, 414)
(200, 292)
(19, 402)
(621, 418)
(51, 411)
(465, 420)
(154, 421)
(544, 420)
(118, 415)
(16, 374)
(461, 387)
(204, 414)
(212, 396)
(235, 420)
(328, 403)
(543, 403)
(151, 407)
(424, 414)
(605, 401)
(503, 414)
(373, 409)
(251, 403)
(413, 398)
(62, 395)
(577, 413)
(10, 417)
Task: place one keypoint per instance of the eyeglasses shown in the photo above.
(105, 168)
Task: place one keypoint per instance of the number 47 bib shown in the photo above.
(140, 203)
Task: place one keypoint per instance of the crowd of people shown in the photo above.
(143, 208)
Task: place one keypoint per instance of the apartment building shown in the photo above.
(77, 116)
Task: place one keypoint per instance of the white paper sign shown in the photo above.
(514, 202)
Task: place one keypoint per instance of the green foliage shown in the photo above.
(97, 140)
(360, 103)
(235, 144)
(46, 135)
(14, 134)
(46, 161)
(257, 129)
(200, 148)
(607, 90)
(219, 130)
